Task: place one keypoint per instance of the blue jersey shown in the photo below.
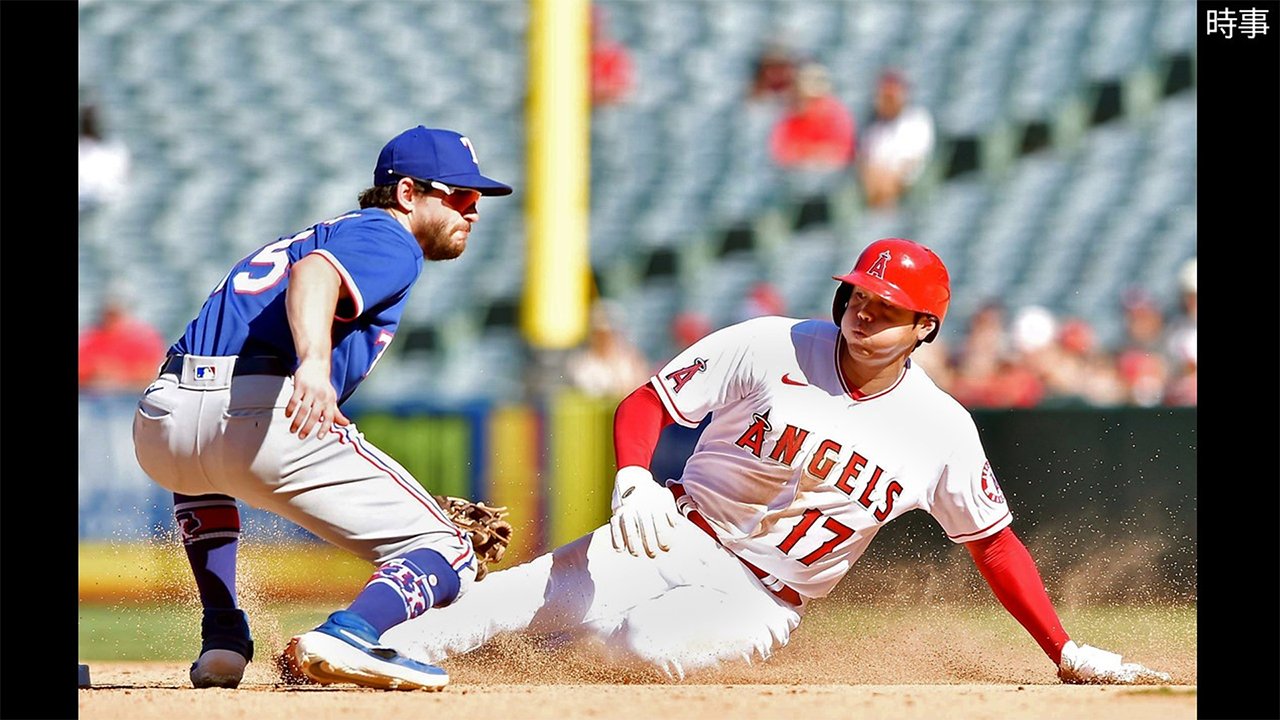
(378, 261)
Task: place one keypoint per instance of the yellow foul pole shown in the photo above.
(557, 289)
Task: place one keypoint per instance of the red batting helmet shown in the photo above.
(901, 271)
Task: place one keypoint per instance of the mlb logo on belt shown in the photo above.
(206, 372)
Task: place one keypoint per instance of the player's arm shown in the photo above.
(637, 425)
(642, 510)
(311, 301)
(1009, 569)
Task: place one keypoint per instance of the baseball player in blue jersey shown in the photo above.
(248, 402)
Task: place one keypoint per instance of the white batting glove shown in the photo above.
(643, 513)
(1086, 665)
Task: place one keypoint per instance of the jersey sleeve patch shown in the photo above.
(678, 378)
(970, 505)
(990, 487)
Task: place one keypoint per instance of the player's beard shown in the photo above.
(440, 242)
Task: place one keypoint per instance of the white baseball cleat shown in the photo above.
(218, 668)
(345, 649)
(1088, 665)
(225, 649)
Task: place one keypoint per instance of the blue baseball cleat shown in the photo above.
(345, 649)
(225, 649)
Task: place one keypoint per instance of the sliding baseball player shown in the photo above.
(820, 434)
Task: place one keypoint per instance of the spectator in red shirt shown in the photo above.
(611, 73)
(688, 327)
(763, 299)
(817, 131)
(1141, 359)
(994, 370)
(120, 352)
(1080, 370)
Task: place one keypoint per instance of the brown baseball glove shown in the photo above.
(490, 532)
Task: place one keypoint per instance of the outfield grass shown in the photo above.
(1130, 627)
(151, 631)
(167, 632)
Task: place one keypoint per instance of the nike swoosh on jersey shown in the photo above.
(786, 380)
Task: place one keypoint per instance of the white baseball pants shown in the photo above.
(693, 607)
(217, 434)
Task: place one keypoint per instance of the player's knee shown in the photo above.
(678, 637)
(466, 578)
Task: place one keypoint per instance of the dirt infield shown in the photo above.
(885, 650)
(921, 671)
(140, 691)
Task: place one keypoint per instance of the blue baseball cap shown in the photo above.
(429, 154)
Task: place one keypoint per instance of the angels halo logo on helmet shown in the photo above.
(901, 271)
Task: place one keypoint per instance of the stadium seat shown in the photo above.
(200, 90)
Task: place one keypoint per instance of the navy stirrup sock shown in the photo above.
(210, 528)
(405, 587)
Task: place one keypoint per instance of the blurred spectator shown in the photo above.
(1182, 385)
(1181, 344)
(120, 352)
(1141, 359)
(611, 73)
(935, 358)
(896, 145)
(1143, 321)
(1144, 374)
(1015, 385)
(762, 299)
(1043, 353)
(608, 365)
(1181, 334)
(688, 327)
(816, 132)
(986, 334)
(104, 161)
(1078, 370)
(998, 369)
(976, 355)
(773, 73)
(1040, 360)
(1019, 381)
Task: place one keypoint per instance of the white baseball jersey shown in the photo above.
(797, 474)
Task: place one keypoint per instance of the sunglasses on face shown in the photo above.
(458, 198)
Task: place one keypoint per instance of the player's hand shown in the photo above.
(644, 513)
(1086, 665)
(314, 403)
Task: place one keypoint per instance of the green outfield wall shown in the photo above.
(1113, 488)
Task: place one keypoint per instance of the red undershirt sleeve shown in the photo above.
(1009, 569)
(637, 425)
